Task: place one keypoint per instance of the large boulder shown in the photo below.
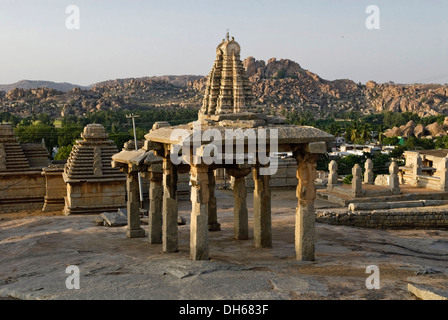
(445, 124)
(408, 129)
(394, 132)
(436, 130)
(419, 131)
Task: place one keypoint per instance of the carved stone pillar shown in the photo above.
(133, 206)
(357, 181)
(213, 224)
(368, 174)
(169, 208)
(394, 183)
(262, 210)
(200, 196)
(333, 174)
(240, 214)
(444, 175)
(155, 219)
(305, 214)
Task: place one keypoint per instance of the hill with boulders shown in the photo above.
(278, 84)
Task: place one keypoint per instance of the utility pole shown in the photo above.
(133, 116)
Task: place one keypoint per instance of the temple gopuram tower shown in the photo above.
(93, 186)
(228, 89)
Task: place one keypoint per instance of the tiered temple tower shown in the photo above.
(12, 157)
(93, 186)
(228, 90)
(21, 184)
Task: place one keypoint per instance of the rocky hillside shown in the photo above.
(109, 95)
(284, 84)
(33, 84)
(424, 99)
(277, 85)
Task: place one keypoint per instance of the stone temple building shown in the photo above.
(21, 184)
(93, 186)
(226, 127)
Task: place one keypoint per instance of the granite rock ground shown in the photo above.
(35, 250)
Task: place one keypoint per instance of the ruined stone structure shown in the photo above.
(426, 169)
(22, 186)
(92, 184)
(285, 177)
(228, 107)
(55, 188)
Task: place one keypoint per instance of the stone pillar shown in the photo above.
(368, 174)
(333, 174)
(357, 181)
(262, 210)
(213, 224)
(133, 206)
(417, 167)
(155, 220)
(2, 157)
(444, 175)
(169, 207)
(240, 216)
(394, 183)
(305, 214)
(199, 212)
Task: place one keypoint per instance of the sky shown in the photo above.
(136, 38)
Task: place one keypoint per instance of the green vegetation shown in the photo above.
(37, 127)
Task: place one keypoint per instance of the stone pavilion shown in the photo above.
(228, 106)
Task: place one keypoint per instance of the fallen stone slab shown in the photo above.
(426, 293)
(384, 205)
(114, 219)
(395, 205)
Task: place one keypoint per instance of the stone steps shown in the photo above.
(15, 157)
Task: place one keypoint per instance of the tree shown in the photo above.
(36, 132)
(63, 153)
(68, 134)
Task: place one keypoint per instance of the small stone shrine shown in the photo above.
(93, 186)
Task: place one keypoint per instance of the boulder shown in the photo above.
(419, 131)
(436, 130)
(445, 124)
(408, 130)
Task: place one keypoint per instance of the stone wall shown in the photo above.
(285, 177)
(21, 191)
(95, 197)
(406, 218)
(56, 190)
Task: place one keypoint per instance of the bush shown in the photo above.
(63, 153)
(348, 179)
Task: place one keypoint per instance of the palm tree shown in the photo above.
(365, 133)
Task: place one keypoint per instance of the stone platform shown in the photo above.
(36, 250)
